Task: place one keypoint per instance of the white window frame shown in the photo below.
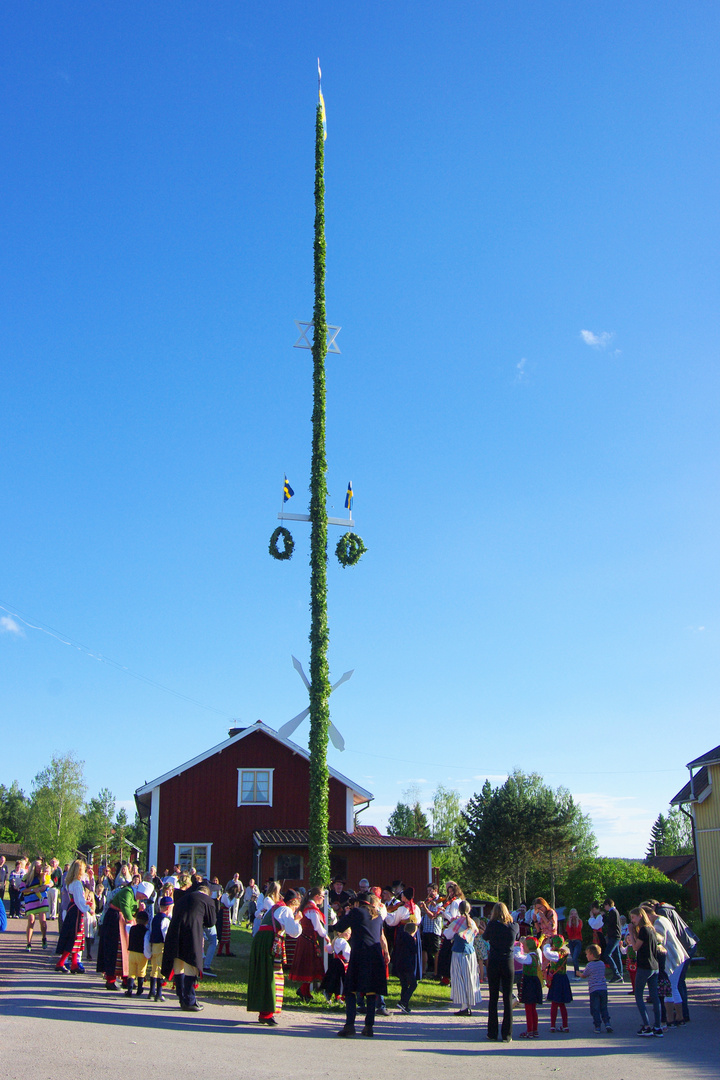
(194, 845)
(270, 787)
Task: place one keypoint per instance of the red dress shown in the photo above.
(307, 964)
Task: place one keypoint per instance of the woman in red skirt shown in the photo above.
(307, 966)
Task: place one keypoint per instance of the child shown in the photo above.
(594, 972)
(481, 949)
(137, 961)
(559, 992)
(154, 945)
(90, 922)
(406, 962)
(334, 980)
(530, 986)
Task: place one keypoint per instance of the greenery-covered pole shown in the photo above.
(319, 870)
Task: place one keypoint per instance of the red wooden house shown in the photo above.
(242, 806)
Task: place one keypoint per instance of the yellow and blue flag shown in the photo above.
(287, 491)
(321, 99)
(349, 496)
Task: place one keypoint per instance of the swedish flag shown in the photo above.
(349, 496)
(287, 491)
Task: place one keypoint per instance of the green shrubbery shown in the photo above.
(709, 934)
(628, 882)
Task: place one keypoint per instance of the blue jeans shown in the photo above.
(575, 950)
(210, 936)
(598, 1007)
(681, 984)
(645, 977)
(612, 956)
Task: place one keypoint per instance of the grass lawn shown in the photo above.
(231, 983)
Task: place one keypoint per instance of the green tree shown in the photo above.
(520, 832)
(446, 816)
(55, 817)
(407, 820)
(671, 835)
(14, 808)
(97, 827)
(121, 831)
(138, 834)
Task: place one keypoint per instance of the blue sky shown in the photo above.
(522, 228)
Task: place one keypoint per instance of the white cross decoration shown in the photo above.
(303, 342)
(287, 729)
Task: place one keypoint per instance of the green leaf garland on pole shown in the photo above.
(319, 848)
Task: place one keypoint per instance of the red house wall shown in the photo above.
(380, 865)
(200, 805)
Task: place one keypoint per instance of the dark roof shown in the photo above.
(364, 836)
(711, 758)
(700, 781)
(680, 868)
(11, 851)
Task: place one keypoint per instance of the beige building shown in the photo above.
(701, 797)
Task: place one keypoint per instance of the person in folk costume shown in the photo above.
(266, 979)
(112, 959)
(155, 939)
(333, 984)
(407, 912)
(557, 952)
(406, 961)
(193, 913)
(307, 964)
(227, 900)
(454, 896)
(137, 958)
(547, 921)
(531, 994)
(270, 899)
(71, 939)
(367, 968)
(464, 977)
(36, 885)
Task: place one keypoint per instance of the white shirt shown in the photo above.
(401, 915)
(595, 922)
(77, 893)
(286, 919)
(317, 923)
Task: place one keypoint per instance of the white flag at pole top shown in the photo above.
(322, 102)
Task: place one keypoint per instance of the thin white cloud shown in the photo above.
(520, 370)
(9, 626)
(597, 341)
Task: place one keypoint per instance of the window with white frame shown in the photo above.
(255, 787)
(197, 855)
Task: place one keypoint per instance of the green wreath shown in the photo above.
(349, 549)
(288, 544)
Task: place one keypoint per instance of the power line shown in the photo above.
(65, 639)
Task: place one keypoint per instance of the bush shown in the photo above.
(627, 881)
(709, 935)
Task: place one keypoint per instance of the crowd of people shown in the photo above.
(344, 944)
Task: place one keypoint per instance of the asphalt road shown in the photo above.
(71, 1027)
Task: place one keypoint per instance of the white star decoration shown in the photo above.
(303, 342)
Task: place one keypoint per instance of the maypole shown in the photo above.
(319, 849)
(349, 549)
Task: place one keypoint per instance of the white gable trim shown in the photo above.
(366, 796)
